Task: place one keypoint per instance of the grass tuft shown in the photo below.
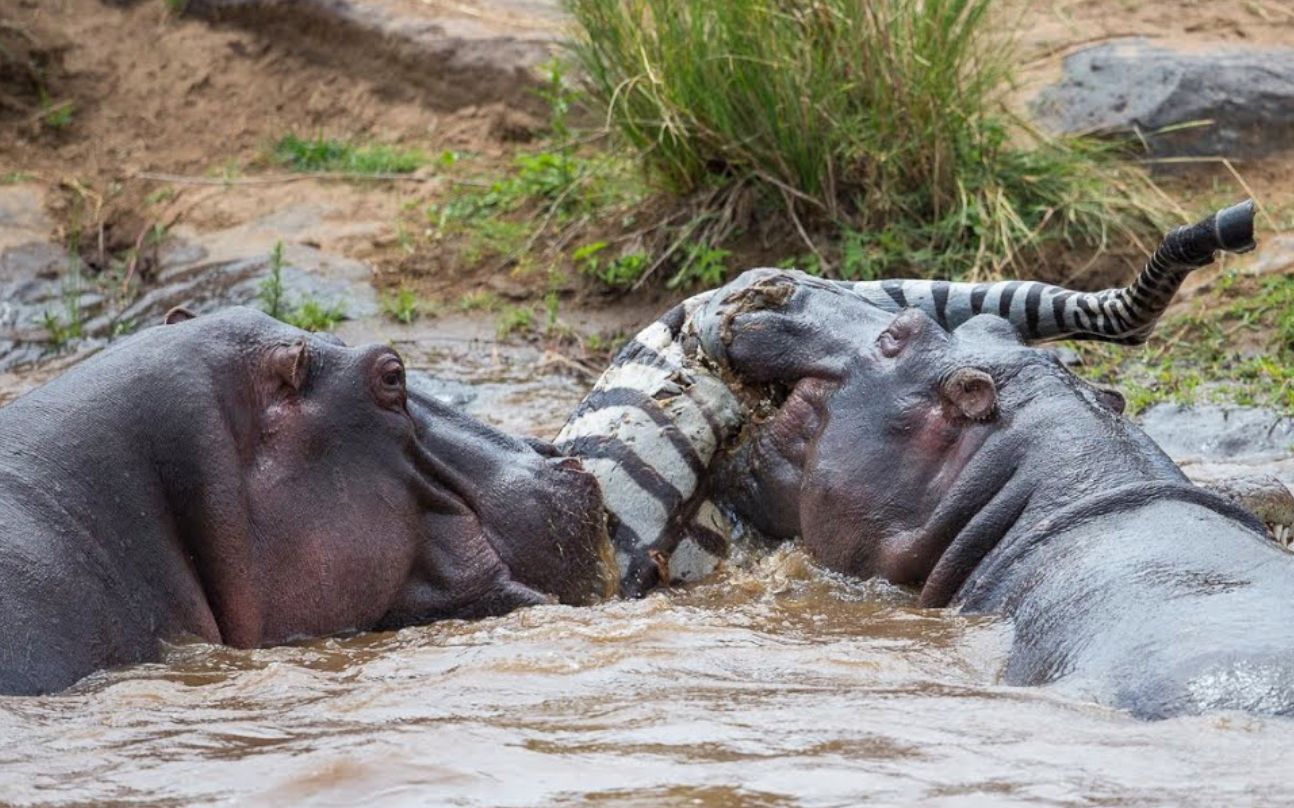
(309, 314)
(326, 154)
(883, 119)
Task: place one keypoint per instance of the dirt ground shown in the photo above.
(152, 93)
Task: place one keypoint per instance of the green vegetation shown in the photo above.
(702, 264)
(308, 315)
(14, 177)
(56, 115)
(877, 120)
(554, 185)
(479, 301)
(402, 306)
(553, 193)
(618, 273)
(1236, 345)
(325, 154)
(512, 319)
(161, 196)
(66, 325)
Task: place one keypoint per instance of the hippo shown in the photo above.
(232, 479)
(667, 427)
(990, 478)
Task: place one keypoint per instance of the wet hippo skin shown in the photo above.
(989, 477)
(234, 479)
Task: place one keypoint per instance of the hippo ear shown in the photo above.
(177, 315)
(291, 363)
(971, 393)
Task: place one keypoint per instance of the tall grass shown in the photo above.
(881, 117)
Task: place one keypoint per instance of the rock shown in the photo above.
(1246, 454)
(49, 304)
(1261, 494)
(1213, 433)
(22, 216)
(455, 54)
(1245, 95)
(1275, 256)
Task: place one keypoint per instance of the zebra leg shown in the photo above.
(1041, 312)
(648, 432)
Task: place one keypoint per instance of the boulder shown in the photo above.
(1221, 101)
(50, 303)
(454, 55)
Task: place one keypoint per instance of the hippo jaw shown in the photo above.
(539, 512)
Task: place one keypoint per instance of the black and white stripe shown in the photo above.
(648, 431)
(1042, 312)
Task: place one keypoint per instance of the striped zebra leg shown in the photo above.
(648, 431)
(1042, 312)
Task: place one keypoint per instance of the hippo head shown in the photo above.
(896, 449)
(315, 493)
(933, 446)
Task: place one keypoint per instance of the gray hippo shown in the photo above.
(989, 477)
(668, 421)
(236, 480)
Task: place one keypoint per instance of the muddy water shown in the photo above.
(776, 684)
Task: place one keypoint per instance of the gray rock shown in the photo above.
(42, 291)
(1126, 86)
(453, 54)
(1212, 433)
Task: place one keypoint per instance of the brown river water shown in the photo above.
(773, 684)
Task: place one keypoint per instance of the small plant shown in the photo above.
(14, 177)
(175, 7)
(66, 326)
(325, 154)
(479, 301)
(160, 196)
(560, 97)
(309, 315)
(272, 295)
(701, 264)
(156, 235)
(61, 332)
(313, 315)
(551, 305)
(513, 319)
(124, 327)
(587, 258)
(856, 262)
(618, 273)
(56, 115)
(402, 306)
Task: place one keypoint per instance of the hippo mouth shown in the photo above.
(539, 512)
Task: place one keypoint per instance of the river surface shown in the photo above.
(773, 684)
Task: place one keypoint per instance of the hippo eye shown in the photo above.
(390, 383)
